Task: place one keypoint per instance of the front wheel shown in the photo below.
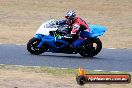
(91, 48)
(32, 46)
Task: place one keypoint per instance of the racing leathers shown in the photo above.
(76, 27)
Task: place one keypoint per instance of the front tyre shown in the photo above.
(32, 46)
(91, 48)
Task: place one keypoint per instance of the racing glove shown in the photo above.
(58, 36)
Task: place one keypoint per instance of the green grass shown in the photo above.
(55, 71)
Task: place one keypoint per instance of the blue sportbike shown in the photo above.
(45, 40)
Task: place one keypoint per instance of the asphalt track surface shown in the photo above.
(107, 59)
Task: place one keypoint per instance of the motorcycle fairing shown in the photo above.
(95, 31)
(78, 42)
(38, 36)
(50, 41)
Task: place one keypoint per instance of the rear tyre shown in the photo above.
(91, 48)
(32, 46)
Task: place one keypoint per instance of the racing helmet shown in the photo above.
(70, 15)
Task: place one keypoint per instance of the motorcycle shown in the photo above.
(87, 45)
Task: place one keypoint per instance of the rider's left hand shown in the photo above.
(59, 36)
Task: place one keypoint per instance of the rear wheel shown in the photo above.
(91, 48)
(32, 46)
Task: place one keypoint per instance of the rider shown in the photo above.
(77, 25)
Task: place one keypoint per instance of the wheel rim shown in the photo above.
(89, 49)
(34, 46)
(92, 47)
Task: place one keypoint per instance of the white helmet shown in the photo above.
(70, 15)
